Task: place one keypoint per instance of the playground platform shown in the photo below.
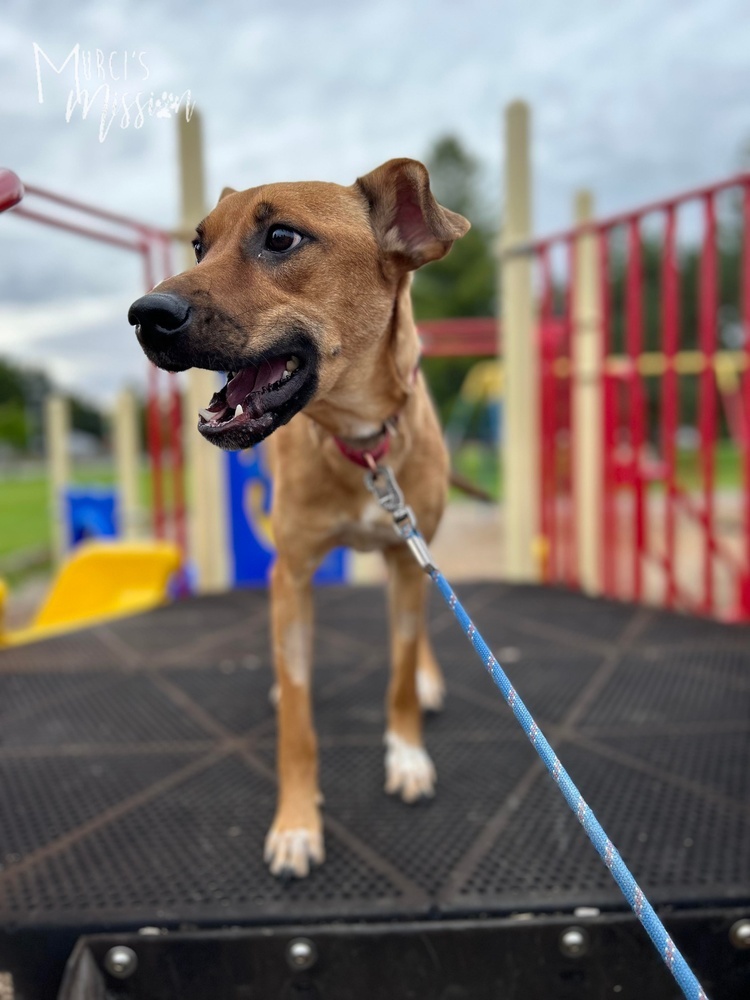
(137, 785)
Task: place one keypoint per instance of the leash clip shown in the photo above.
(381, 482)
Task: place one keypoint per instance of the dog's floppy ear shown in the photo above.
(227, 191)
(409, 224)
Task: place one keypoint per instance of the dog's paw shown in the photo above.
(290, 852)
(409, 772)
(430, 690)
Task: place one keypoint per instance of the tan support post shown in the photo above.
(209, 507)
(127, 462)
(521, 438)
(587, 401)
(56, 443)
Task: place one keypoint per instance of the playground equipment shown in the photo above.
(587, 503)
(100, 581)
(585, 475)
(154, 247)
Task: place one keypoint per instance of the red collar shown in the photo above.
(365, 456)
(369, 457)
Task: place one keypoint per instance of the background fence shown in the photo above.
(643, 329)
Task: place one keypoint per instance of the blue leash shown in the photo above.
(381, 482)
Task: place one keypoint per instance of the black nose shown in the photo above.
(159, 313)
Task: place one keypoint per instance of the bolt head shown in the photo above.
(301, 954)
(121, 962)
(739, 933)
(574, 942)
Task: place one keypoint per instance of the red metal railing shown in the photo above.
(661, 538)
(154, 246)
(467, 337)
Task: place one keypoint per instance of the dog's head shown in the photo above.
(294, 283)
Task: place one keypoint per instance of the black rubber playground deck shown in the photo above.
(137, 766)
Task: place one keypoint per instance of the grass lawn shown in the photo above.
(24, 499)
(24, 506)
(727, 468)
(24, 523)
(480, 463)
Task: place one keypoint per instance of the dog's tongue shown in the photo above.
(253, 379)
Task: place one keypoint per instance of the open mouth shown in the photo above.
(255, 401)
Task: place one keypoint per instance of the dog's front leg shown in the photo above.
(295, 839)
(409, 772)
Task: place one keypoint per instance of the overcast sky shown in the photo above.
(634, 99)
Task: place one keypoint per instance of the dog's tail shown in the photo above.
(470, 489)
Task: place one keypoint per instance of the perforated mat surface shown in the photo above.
(137, 784)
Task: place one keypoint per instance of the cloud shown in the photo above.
(85, 344)
(634, 100)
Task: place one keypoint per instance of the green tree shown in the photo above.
(22, 394)
(13, 430)
(464, 282)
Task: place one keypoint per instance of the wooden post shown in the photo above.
(127, 463)
(521, 438)
(208, 502)
(56, 443)
(587, 401)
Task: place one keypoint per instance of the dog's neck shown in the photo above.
(389, 368)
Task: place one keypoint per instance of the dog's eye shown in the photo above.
(198, 247)
(279, 239)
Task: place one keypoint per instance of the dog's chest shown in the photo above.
(373, 529)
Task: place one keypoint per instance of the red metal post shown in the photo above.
(175, 434)
(670, 323)
(11, 189)
(608, 486)
(707, 393)
(636, 398)
(154, 420)
(547, 449)
(744, 601)
(571, 562)
(69, 227)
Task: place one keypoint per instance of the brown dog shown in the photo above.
(302, 295)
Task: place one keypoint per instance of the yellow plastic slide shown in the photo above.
(100, 580)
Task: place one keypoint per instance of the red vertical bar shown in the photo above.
(707, 393)
(175, 435)
(636, 400)
(670, 397)
(155, 450)
(571, 563)
(175, 443)
(609, 528)
(744, 602)
(153, 427)
(547, 422)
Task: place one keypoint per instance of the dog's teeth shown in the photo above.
(207, 414)
(292, 364)
(238, 410)
(285, 375)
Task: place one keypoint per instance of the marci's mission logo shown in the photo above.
(107, 87)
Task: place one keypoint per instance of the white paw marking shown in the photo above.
(409, 772)
(293, 851)
(430, 691)
(274, 695)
